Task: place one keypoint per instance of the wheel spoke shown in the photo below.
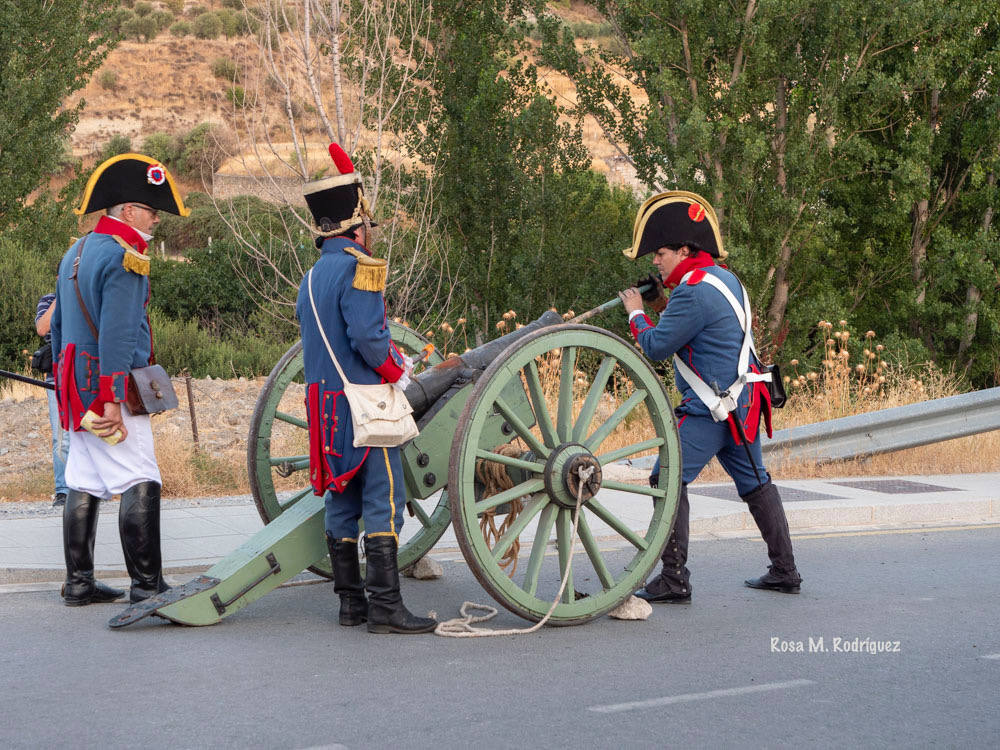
(517, 463)
(602, 432)
(590, 544)
(291, 420)
(522, 430)
(638, 489)
(565, 414)
(294, 499)
(617, 524)
(564, 537)
(538, 404)
(531, 509)
(590, 405)
(420, 513)
(541, 541)
(518, 490)
(629, 450)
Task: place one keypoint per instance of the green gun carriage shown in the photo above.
(528, 409)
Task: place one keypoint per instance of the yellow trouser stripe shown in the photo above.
(392, 502)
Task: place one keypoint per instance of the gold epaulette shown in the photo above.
(370, 273)
(133, 260)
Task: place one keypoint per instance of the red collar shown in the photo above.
(110, 225)
(701, 260)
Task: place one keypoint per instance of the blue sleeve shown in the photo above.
(364, 313)
(679, 323)
(123, 297)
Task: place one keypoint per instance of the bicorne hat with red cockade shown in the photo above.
(338, 204)
(132, 178)
(674, 219)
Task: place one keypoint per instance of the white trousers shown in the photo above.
(104, 470)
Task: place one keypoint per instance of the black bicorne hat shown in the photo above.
(132, 178)
(674, 219)
(338, 203)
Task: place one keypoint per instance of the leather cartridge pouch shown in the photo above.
(149, 390)
(776, 387)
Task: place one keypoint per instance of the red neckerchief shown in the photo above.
(109, 225)
(700, 260)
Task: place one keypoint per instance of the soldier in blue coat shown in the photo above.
(346, 286)
(100, 333)
(703, 331)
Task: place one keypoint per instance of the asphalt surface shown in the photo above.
(720, 672)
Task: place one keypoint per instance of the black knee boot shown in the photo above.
(674, 582)
(347, 581)
(386, 612)
(139, 527)
(765, 507)
(79, 532)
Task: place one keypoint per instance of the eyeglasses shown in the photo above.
(153, 211)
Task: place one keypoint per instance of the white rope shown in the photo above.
(462, 627)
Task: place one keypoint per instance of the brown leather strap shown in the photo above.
(76, 285)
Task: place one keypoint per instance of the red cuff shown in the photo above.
(638, 324)
(107, 384)
(390, 369)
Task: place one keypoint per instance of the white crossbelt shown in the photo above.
(721, 404)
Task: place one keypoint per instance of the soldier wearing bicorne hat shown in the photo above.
(100, 332)
(347, 284)
(722, 382)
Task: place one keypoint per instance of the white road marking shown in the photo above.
(688, 697)
(992, 656)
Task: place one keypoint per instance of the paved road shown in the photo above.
(280, 674)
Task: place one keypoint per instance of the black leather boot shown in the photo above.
(673, 584)
(386, 612)
(347, 581)
(765, 507)
(139, 527)
(79, 532)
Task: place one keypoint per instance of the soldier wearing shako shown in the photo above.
(346, 286)
(100, 332)
(716, 369)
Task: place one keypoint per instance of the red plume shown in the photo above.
(340, 159)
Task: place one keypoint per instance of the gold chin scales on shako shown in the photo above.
(510, 407)
(675, 218)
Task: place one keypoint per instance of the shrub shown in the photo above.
(119, 143)
(162, 146)
(237, 4)
(203, 149)
(143, 8)
(181, 28)
(233, 23)
(108, 79)
(163, 19)
(141, 28)
(196, 10)
(175, 6)
(118, 19)
(225, 68)
(237, 96)
(207, 26)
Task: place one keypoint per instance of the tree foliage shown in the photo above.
(47, 51)
(850, 150)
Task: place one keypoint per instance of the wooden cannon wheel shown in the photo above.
(285, 429)
(595, 401)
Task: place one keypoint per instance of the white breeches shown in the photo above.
(104, 470)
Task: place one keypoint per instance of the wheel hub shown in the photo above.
(562, 474)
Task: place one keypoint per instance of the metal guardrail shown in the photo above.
(889, 429)
(882, 431)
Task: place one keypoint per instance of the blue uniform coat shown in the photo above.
(355, 324)
(92, 372)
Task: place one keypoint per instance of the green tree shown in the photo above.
(47, 52)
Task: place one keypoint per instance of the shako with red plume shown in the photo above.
(337, 203)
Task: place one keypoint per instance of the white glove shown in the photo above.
(405, 379)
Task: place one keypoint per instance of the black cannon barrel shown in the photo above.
(431, 384)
